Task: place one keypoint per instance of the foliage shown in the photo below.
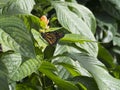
(76, 48)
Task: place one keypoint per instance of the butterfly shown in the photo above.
(52, 37)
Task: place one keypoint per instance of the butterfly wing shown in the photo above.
(52, 37)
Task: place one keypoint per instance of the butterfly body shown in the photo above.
(52, 37)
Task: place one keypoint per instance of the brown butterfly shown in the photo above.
(52, 37)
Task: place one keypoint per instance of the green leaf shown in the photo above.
(48, 69)
(106, 22)
(39, 40)
(105, 56)
(62, 71)
(31, 82)
(108, 27)
(75, 24)
(18, 70)
(26, 69)
(69, 47)
(116, 50)
(75, 38)
(53, 29)
(23, 87)
(88, 82)
(18, 7)
(116, 40)
(71, 20)
(68, 68)
(3, 3)
(15, 36)
(111, 7)
(72, 69)
(48, 52)
(3, 77)
(85, 14)
(104, 80)
(116, 71)
(12, 62)
(30, 21)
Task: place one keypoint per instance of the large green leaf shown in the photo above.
(71, 48)
(15, 36)
(18, 70)
(75, 24)
(48, 69)
(26, 69)
(68, 68)
(67, 17)
(18, 7)
(85, 14)
(12, 62)
(3, 77)
(104, 80)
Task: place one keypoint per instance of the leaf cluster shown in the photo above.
(85, 58)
